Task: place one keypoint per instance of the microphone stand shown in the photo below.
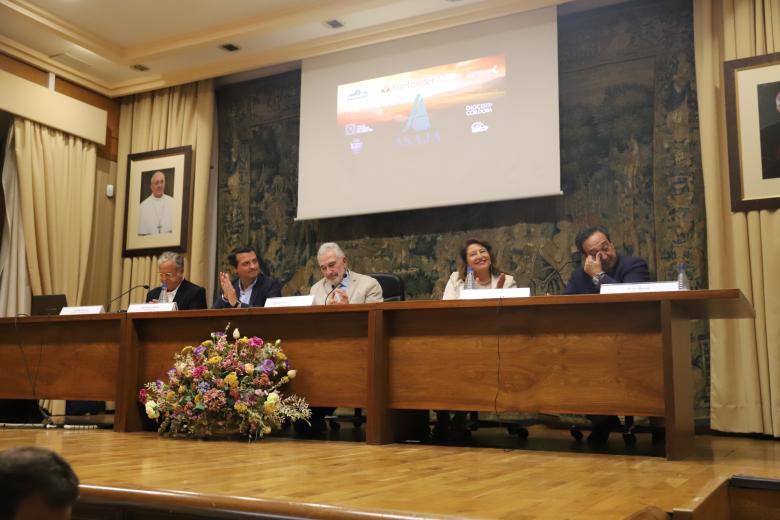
(145, 286)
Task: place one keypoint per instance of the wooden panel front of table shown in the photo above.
(588, 354)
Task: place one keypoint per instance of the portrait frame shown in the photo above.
(752, 94)
(154, 221)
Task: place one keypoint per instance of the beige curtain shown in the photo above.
(743, 248)
(166, 118)
(57, 188)
(14, 284)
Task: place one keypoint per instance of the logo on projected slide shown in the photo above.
(354, 129)
(478, 127)
(356, 146)
(417, 130)
(357, 94)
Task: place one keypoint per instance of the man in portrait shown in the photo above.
(155, 214)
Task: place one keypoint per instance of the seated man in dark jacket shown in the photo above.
(251, 288)
(186, 294)
(601, 264)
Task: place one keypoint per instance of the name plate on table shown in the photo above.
(152, 307)
(83, 309)
(642, 287)
(290, 301)
(484, 294)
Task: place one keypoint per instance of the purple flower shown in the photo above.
(204, 386)
(199, 351)
(267, 366)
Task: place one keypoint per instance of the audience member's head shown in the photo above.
(36, 484)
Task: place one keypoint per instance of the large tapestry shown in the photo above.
(630, 161)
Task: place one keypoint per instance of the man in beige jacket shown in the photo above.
(339, 285)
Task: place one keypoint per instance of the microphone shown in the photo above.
(127, 291)
(333, 287)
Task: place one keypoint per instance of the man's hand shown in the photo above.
(500, 281)
(338, 297)
(228, 291)
(593, 265)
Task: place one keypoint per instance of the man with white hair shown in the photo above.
(155, 214)
(339, 285)
(186, 294)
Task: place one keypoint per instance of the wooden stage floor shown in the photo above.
(559, 479)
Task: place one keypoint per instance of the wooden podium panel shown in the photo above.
(619, 354)
(555, 358)
(60, 357)
(327, 346)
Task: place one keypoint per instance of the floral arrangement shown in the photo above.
(225, 387)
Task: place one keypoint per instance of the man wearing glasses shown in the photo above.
(186, 294)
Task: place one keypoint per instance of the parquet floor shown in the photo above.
(437, 480)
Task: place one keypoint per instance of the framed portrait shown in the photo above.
(752, 89)
(157, 208)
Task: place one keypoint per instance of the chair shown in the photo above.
(392, 286)
(392, 291)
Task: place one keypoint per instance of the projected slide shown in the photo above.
(421, 107)
(459, 116)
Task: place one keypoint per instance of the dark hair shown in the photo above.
(464, 263)
(30, 470)
(585, 234)
(232, 260)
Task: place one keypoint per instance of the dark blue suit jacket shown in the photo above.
(264, 288)
(189, 296)
(628, 269)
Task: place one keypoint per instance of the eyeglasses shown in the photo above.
(168, 276)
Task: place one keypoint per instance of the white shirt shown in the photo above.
(155, 215)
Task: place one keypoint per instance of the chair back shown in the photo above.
(392, 286)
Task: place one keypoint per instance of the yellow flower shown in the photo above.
(269, 408)
(240, 407)
(273, 397)
(249, 368)
(232, 380)
(214, 360)
(280, 356)
(208, 343)
(266, 430)
(170, 394)
(198, 397)
(151, 410)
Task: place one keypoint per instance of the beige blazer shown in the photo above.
(455, 284)
(361, 289)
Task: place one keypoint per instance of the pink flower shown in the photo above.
(254, 341)
(198, 371)
(142, 395)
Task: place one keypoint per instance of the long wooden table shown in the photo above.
(602, 354)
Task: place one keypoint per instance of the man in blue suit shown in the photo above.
(601, 264)
(251, 288)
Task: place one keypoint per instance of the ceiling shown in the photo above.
(96, 43)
